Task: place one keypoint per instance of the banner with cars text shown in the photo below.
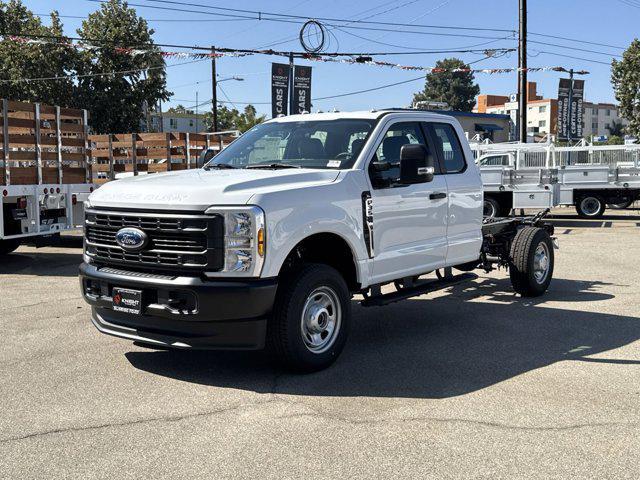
(279, 89)
(301, 90)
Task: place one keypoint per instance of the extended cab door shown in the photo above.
(464, 186)
(409, 221)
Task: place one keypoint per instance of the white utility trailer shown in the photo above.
(519, 176)
(45, 171)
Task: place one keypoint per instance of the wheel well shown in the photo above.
(505, 199)
(329, 249)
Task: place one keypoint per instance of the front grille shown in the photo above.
(179, 241)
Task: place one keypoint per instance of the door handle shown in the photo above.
(437, 196)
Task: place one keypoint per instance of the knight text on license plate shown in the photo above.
(127, 301)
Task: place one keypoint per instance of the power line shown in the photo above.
(298, 54)
(573, 57)
(574, 48)
(262, 16)
(102, 74)
(557, 37)
(174, 20)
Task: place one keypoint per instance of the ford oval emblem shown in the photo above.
(131, 238)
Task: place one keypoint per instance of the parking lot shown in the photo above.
(473, 381)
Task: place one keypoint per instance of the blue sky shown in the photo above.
(615, 23)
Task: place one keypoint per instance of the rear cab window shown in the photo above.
(449, 148)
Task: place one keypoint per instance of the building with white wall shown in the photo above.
(542, 114)
(176, 122)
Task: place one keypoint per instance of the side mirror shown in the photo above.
(204, 157)
(416, 165)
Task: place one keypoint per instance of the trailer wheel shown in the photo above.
(491, 207)
(310, 321)
(531, 266)
(590, 206)
(8, 246)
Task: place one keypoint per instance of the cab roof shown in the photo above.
(362, 114)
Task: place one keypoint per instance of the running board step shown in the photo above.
(420, 289)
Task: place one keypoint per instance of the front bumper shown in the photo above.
(182, 312)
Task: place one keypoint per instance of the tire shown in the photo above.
(8, 246)
(491, 208)
(531, 262)
(590, 206)
(621, 205)
(310, 301)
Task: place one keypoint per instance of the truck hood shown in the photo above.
(199, 189)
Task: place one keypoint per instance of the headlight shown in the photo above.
(244, 241)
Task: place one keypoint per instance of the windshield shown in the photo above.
(307, 144)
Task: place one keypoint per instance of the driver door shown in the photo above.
(409, 221)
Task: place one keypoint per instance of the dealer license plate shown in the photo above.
(127, 301)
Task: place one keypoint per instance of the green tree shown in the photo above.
(457, 89)
(116, 101)
(615, 140)
(616, 128)
(20, 61)
(232, 119)
(625, 77)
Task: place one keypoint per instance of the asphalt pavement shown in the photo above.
(470, 382)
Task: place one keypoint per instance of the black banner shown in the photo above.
(576, 109)
(570, 117)
(279, 89)
(301, 90)
(563, 109)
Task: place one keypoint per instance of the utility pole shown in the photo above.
(214, 89)
(292, 100)
(522, 72)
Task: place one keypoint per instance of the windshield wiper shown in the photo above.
(219, 166)
(273, 165)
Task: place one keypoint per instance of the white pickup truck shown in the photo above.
(267, 243)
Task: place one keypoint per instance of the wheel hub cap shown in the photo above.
(321, 319)
(590, 206)
(541, 263)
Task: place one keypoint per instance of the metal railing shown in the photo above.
(523, 156)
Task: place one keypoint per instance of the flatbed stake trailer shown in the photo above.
(535, 176)
(45, 173)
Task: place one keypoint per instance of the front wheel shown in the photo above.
(8, 246)
(310, 322)
(532, 261)
(590, 206)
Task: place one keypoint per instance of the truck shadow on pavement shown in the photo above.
(427, 348)
(61, 258)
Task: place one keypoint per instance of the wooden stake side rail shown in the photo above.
(43, 144)
(150, 152)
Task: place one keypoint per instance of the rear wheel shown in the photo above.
(590, 206)
(532, 261)
(621, 205)
(8, 246)
(310, 321)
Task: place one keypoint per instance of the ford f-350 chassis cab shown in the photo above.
(267, 243)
